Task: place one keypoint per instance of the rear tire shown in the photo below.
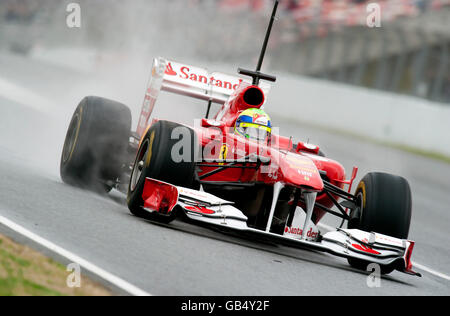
(154, 160)
(384, 207)
(95, 149)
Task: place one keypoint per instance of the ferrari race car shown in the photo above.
(262, 185)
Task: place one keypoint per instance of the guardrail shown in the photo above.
(382, 116)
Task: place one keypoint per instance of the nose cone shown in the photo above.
(299, 171)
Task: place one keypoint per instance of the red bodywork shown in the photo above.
(159, 196)
(295, 166)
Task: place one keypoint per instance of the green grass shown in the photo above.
(12, 279)
(429, 154)
(10, 285)
(4, 255)
(25, 272)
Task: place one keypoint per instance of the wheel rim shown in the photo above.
(139, 165)
(72, 135)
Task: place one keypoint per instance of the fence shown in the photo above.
(326, 39)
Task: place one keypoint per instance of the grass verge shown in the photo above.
(25, 272)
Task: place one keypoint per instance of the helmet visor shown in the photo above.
(254, 131)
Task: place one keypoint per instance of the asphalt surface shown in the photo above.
(182, 259)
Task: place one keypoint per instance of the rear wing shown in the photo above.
(190, 81)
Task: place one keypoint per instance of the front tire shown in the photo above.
(154, 160)
(385, 207)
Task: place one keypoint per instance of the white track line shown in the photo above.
(431, 271)
(24, 96)
(415, 264)
(129, 288)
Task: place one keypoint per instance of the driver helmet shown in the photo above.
(254, 124)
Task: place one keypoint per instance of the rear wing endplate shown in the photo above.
(190, 81)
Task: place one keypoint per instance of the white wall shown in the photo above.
(380, 115)
(384, 116)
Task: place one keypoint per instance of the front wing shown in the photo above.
(206, 208)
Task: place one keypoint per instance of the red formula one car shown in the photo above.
(260, 184)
